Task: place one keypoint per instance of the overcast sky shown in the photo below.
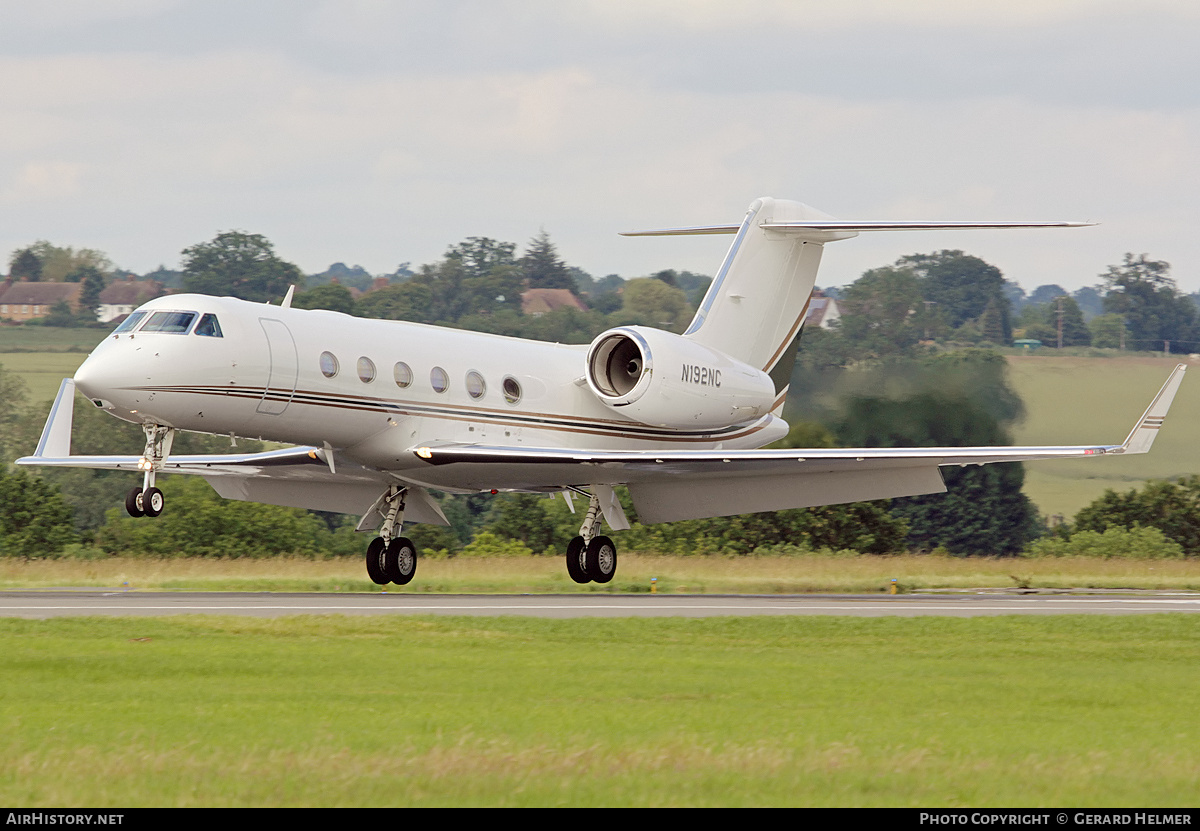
(375, 132)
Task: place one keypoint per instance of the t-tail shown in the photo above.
(755, 308)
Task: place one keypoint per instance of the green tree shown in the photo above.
(962, 286)
(238, 264)
(34, 520)
(14, 416)
(25, 265)
(1142, 291)
(652, 302)
(60, 314)
(199, 523)
(478, 256)
(951, 399)
(404, 301)
(1171, 507)
(93, 282)
(543, 267)
(330, 296)
(1107, 331)
(867, 527)
(58, 261)
(878, 311)
(1041, 322)
(1074, 331)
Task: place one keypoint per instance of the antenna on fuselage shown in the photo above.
(287, 298)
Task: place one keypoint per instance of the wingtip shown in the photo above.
(1141, 437)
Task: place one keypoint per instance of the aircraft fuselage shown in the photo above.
(371, 388)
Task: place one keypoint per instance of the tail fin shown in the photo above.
(756, 305)
(758, 299)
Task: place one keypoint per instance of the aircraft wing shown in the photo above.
(672, 485)
(666, 485)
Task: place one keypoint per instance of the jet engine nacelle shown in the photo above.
(666, 380)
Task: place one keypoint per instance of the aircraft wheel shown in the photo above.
(133, 503)
(600, 559)
(152, 502)
(375, 561)
(400, 560)
(575, 567)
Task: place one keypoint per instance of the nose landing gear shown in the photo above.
(148, 500)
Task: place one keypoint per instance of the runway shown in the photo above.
(49, 603)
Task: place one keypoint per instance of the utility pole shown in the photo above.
(1060, 321)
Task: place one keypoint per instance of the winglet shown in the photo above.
(1143, 433)
(56, 435)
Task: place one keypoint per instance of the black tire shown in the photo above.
(575, 567)
(600, 559)
(153, 502)
(375, 558)
(400, 560)
(133, 503)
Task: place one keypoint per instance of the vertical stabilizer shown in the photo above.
(758, 299)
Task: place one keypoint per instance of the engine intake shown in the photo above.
(666, 380)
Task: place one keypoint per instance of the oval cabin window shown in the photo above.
(512, 389)
(329, 364)
(403, 374)
(476, 386)
(366, 370)
(439, 379)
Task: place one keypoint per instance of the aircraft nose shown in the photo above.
(98, 378)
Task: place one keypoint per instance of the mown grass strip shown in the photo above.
(1079, 711)
(862, 573)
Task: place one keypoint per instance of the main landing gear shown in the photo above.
(392, 558)
(148, 500)
(591, 557)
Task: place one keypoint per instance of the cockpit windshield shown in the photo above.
(208, 327)
(170, 323)
(129, 323)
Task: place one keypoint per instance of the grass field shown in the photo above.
(862, 573)
(1097, 400)
(339, 711)
(50, 339)
(42, 372)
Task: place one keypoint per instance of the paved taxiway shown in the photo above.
(46, 603)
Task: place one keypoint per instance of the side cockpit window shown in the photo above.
(130, 323)
(170, 323)
(208, 326)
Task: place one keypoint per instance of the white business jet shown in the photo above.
(384, 411)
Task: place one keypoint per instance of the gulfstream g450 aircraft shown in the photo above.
(383, 411)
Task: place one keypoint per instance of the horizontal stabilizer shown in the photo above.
(845, 226)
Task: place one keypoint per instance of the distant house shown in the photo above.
(537, 302)
(26, 301)
(123, 296)
(822, 311)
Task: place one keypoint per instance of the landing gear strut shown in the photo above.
(148, 500)
(591, 557)
(392, 559)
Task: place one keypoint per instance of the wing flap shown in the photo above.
(668, 500)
